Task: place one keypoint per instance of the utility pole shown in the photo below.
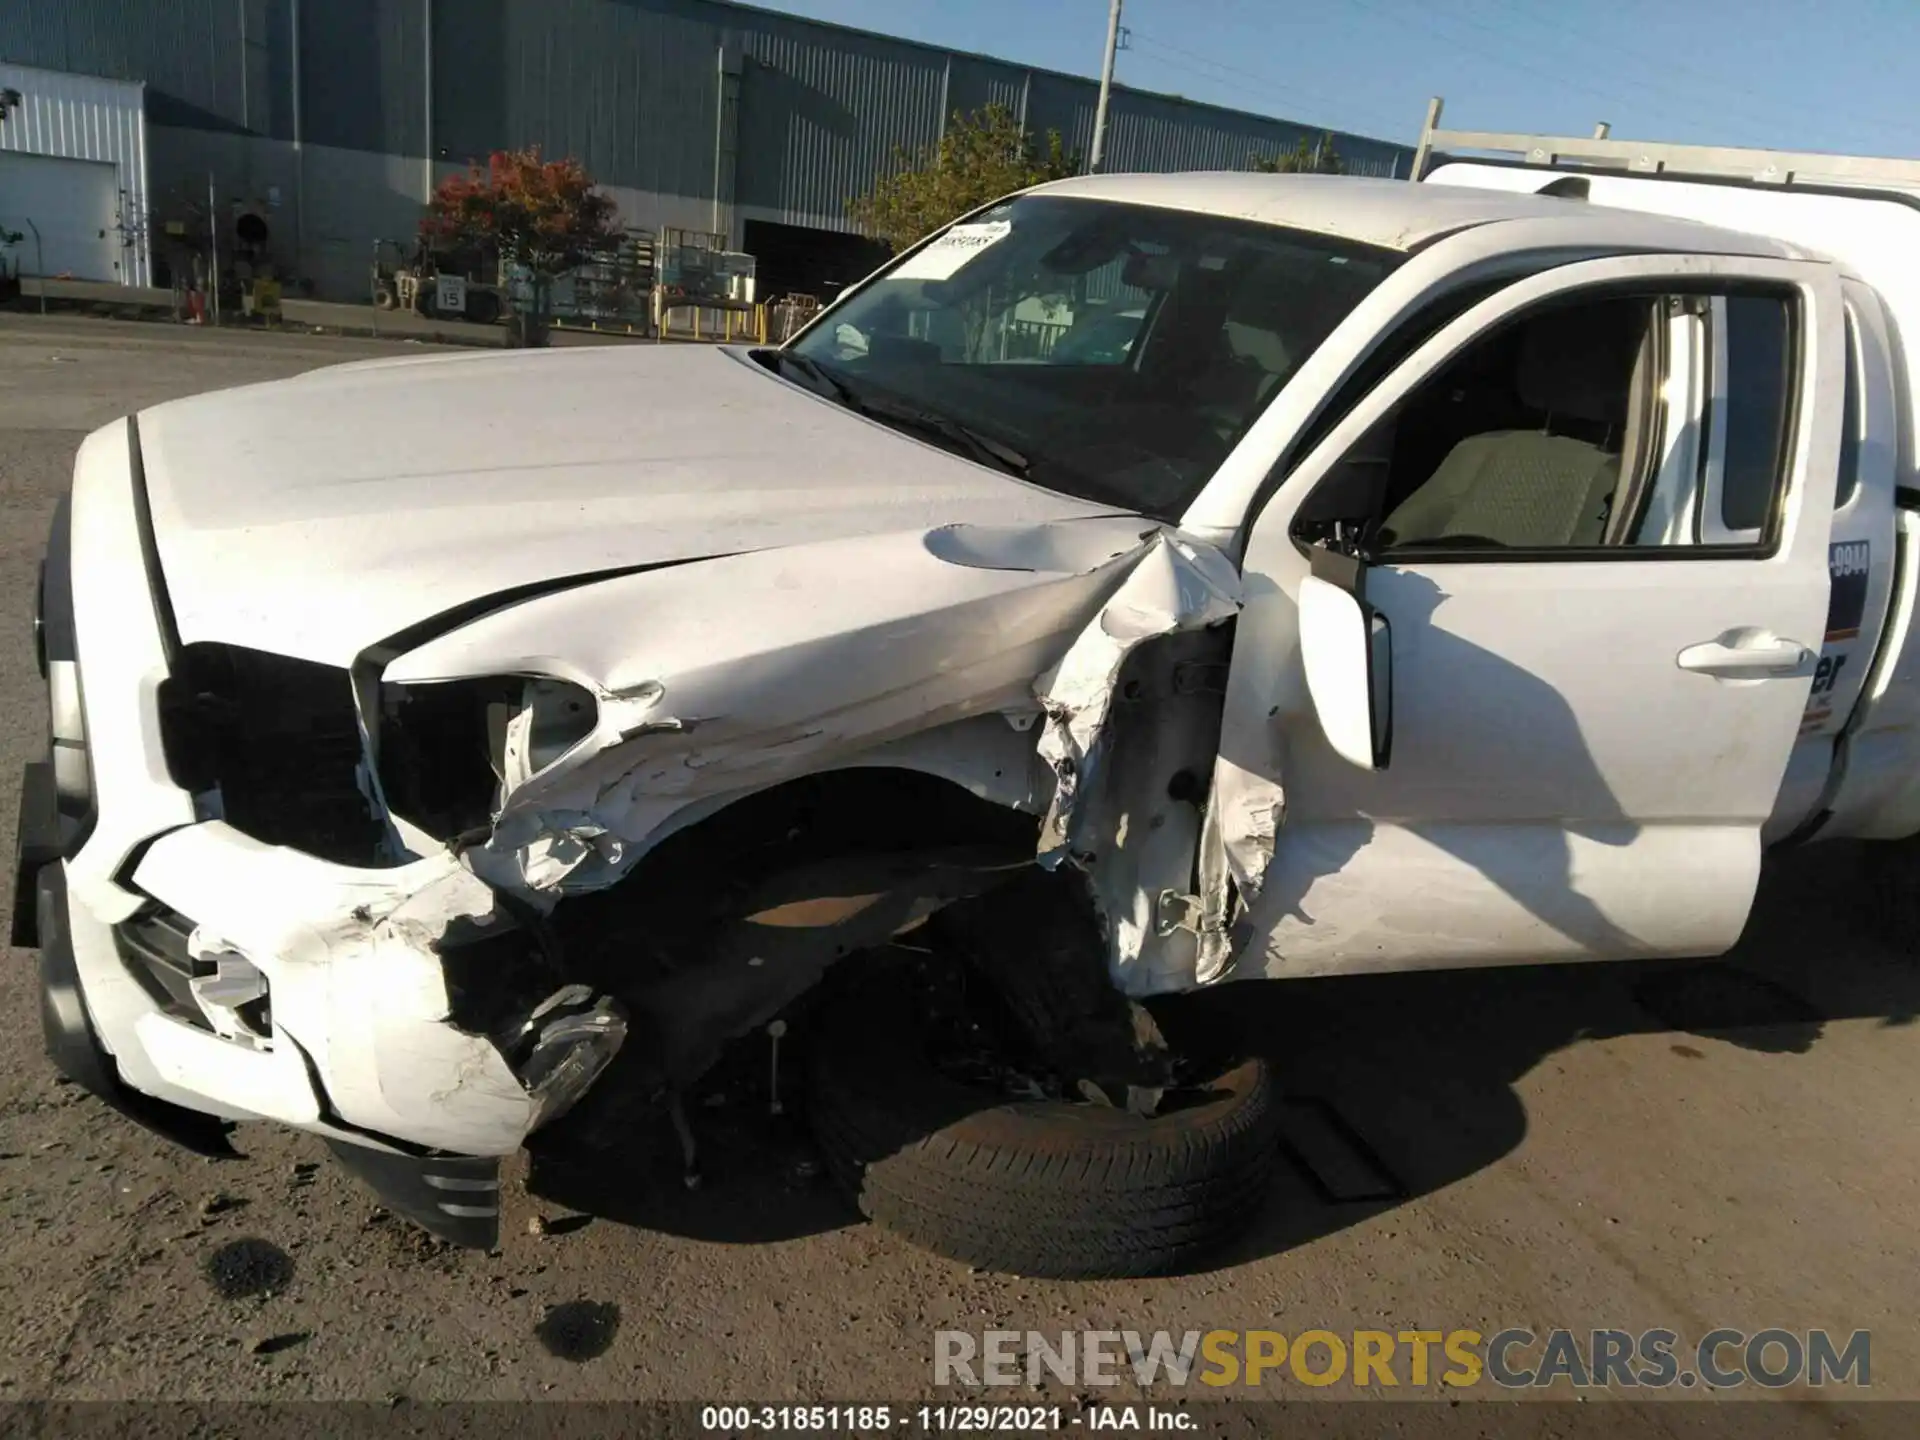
(1106, 88)
(213, 248)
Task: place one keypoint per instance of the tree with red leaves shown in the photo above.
(543, 214)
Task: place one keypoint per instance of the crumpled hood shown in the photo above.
(318, 515)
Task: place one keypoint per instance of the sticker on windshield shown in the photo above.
(944, 257)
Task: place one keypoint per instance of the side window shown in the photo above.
(1616, 421)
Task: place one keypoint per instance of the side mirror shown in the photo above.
(1347, 649)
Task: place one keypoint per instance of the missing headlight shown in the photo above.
(448, 748)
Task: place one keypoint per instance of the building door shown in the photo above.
(74, 205)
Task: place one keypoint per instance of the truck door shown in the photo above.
(1531, 631)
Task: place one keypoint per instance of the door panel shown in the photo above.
(1560, 787)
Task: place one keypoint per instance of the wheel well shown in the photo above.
(657, 918)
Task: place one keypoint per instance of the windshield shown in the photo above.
(1113, 352)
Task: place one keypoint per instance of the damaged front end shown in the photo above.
(656, 807)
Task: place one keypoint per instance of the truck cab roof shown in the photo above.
(1394, 214)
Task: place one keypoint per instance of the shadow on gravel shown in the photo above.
(760, 1177)
(1396, 1085)
(1420, 1070)
(579, 1330)
(243, 1268)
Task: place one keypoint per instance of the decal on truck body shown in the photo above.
(1848, 564)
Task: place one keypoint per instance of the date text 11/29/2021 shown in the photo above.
(938, 1419)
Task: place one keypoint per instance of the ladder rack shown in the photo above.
(1602, 154)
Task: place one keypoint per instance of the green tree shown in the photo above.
(1303, 159)
(981, 157)
(543, 214)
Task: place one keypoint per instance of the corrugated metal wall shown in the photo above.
(79, 117)
(187, 52)
(633, 88)
(628, 88)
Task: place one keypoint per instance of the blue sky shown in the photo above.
(1786, 74)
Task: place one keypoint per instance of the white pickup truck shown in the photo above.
(1146, 583)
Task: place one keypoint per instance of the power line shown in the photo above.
(1754, 105)
(1421, 22)
(1687, 117)
(1266, 86)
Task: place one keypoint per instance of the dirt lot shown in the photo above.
(1728, 1144)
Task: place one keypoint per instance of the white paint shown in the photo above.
(1335, 650)
(492, 471)
(1538, 711)
(1350, 896)
(355, 985)
(122, 662)
(1559, 787)
(1389, 213)
(752, 669)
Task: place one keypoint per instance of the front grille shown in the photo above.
(279, 740)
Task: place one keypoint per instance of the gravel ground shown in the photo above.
(1688, 1146)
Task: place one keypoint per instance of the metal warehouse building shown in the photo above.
(330, 120)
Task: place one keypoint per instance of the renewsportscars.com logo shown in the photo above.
(1512, 1359)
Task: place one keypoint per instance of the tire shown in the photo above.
(1029, 1187)
(383, 299)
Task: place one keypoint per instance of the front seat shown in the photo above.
(1553, 486)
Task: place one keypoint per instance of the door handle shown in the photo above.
(1747, 654)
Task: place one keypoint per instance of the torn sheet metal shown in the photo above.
(1244, 814)
(1178, 585)
(1253, 808)
(716, 679)
(1127, 797)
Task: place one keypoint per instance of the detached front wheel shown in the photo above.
(1052, 1187)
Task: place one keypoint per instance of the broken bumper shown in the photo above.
(414, 1107)
(192, 975)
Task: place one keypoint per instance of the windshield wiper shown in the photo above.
(820, 375)
(982, 447)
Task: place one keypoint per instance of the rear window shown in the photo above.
(1759, 349)
(1852, 423)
